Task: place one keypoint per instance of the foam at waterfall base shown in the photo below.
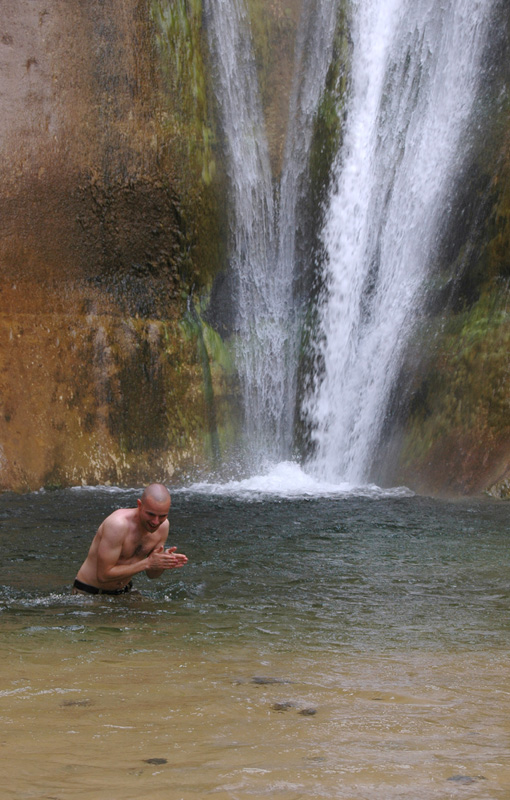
(288, 479)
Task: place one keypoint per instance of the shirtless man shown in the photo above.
(129, 541)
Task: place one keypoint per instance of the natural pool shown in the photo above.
(351, 645)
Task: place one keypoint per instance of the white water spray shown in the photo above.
(414, 77)
(263, 231)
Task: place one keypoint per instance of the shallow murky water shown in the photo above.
(332, 647)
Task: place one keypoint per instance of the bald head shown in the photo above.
(153, 507)
(156, 493)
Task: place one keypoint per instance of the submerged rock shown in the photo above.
(283, 706)
(466, 779)
(72, 703)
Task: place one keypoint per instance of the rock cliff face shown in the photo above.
(99, 247)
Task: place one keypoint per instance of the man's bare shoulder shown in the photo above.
(118, 523)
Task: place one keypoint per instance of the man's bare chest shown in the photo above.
(139, 546)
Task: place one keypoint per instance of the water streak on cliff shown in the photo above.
(265, 217)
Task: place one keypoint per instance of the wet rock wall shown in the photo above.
(104, 230)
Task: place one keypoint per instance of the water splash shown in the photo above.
(289, 480)
(414, 78)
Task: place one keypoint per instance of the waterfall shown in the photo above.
(265, 216)
(253, 245)
(413, 82)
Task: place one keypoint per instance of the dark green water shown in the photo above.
(351, 572)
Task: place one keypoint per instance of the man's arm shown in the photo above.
(111, 568)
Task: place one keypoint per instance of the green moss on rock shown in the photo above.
(187, 142)
(458, 429)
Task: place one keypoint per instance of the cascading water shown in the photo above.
(253, 247)
(313, 54)
(263, 248)
(414, 78)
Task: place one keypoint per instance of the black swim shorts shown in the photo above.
(86, 587)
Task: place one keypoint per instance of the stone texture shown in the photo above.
(95, 369)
